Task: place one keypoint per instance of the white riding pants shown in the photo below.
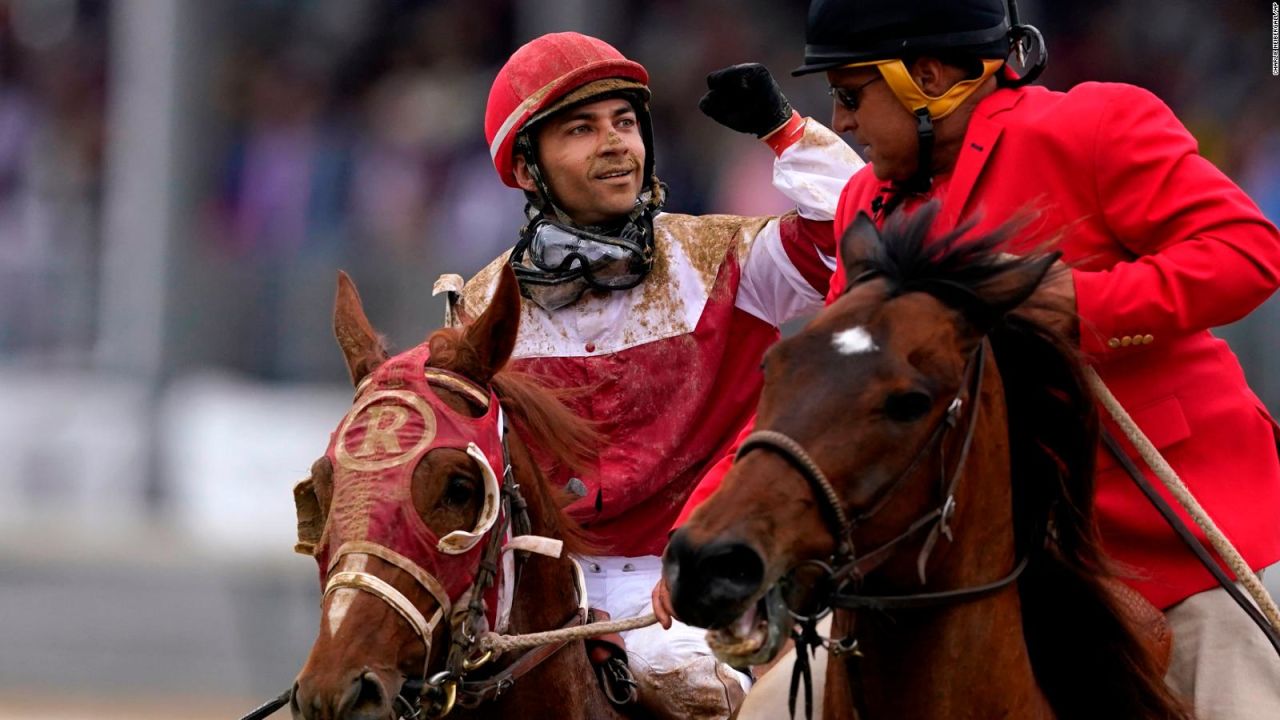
(674, 667)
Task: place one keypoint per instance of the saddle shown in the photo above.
(1149, 623)
(608, 654)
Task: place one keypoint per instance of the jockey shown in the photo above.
(657, 321)
(1162, 247)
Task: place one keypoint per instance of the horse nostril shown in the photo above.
(710, 585)
(736, 567)
(365, 699)
(304, 704)
(678, 556)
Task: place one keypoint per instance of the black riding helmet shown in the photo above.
(840, 33)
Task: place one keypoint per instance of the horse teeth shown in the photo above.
(745, 623)
(737, 647)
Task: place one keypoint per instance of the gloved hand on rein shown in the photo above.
(745, 98)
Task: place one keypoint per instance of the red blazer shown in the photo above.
(1164, 247)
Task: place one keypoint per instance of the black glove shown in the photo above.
(745, 98)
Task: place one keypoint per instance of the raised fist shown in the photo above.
(745, 98)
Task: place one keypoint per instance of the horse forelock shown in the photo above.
(953, 266)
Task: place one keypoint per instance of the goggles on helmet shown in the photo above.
(557, 263)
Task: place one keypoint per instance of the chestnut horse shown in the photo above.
(922, 467)
(401, 512)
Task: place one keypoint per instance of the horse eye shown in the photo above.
(459, 491)
(907, 406)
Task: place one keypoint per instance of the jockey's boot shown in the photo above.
(699, 689)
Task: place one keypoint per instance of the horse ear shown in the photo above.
(360, 345)
(493, 334)
(1024, 279)
(311, 501)
(861, 240)
(311, 517)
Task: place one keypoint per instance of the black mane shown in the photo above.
(953, 267)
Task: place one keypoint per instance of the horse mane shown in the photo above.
(553, 435)
(1086, 658)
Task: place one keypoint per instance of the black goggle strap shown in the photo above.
(576, 267)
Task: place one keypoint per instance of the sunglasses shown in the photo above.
(849, 98)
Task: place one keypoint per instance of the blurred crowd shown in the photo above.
(52, 83)
(351, 136)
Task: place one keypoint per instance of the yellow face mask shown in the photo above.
(910, 95)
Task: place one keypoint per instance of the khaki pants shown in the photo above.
(768, 697)
(1221, 660)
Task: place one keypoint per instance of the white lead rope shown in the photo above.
(1165, 472)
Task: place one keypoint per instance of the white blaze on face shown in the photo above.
(853, 341)
(341, 599)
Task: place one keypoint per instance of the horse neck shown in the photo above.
(940, 662)
(545, 597)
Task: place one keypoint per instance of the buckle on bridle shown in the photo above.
(944, 520)
(478, 661)
(439, 694)
(845, 646)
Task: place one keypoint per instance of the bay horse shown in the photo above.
(403, 511)
(922, 467)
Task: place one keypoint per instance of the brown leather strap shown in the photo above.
(474, 692)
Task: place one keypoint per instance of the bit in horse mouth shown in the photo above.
(744, 636)
(756, 635)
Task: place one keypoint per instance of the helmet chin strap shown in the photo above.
(543, 199)
(927, 109)
(922, 179)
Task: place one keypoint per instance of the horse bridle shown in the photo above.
(449, 686)
(845, 567)
(436, 695)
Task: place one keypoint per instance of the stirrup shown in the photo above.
(617, 682)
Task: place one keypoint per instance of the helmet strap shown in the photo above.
(542, 199)
(927, 109)
(914, 98)
(922, 179)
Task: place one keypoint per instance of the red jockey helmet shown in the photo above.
(548, 74)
